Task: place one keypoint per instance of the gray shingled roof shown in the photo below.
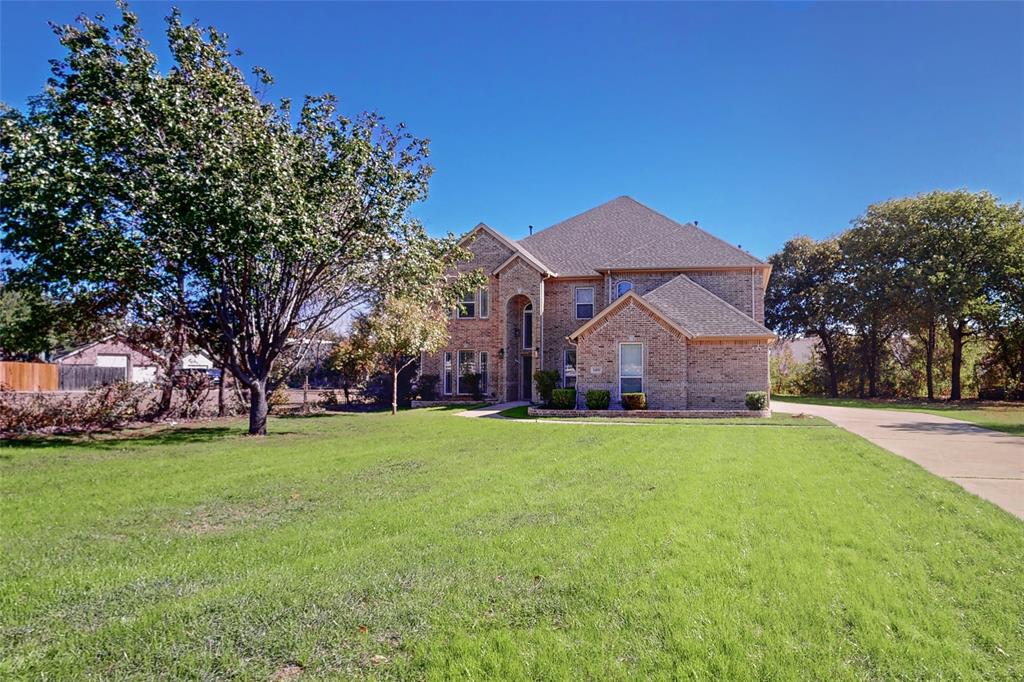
(700, 312)
(624, 234)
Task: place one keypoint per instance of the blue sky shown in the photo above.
(759, 120)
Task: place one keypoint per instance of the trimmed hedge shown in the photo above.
(598, 400)
(634, 401)
(563, 398)
(756, 400)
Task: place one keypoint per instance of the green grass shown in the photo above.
(430, 546)
(1006, 417)
(521, 412)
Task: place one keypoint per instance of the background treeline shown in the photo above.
(922, 296)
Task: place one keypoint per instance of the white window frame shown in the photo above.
(528, 308)
(577, 304)
(483, 311)
(459, 308)
(565, 364)
(458, 378)
(619, 284)
(446, 374)
(483, 366)
(642, 367)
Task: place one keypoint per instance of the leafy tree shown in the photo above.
(353, 359)
(806, 296)
(872, 270)
(399, 330)
(183, 196)
(968, 238)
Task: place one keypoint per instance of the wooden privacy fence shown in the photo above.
(82, 377)
(29, 376)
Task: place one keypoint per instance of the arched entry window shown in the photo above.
(528, 326)
(622, 287)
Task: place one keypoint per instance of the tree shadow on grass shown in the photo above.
(122, 440)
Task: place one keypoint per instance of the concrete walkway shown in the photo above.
(491, 410)
(988, 463)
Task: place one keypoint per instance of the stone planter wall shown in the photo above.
(649, 414)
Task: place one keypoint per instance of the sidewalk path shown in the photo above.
(988, 463)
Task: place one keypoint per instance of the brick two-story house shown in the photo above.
(619, 298)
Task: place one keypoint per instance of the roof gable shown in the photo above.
(514, 247)
(623, 302)
(704, 314)
(625, 234)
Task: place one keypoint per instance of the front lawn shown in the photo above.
(430, 546)
(1006, 417)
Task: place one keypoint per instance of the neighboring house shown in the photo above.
(111, 351)
(620, 298)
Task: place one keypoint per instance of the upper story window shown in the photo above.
(467, 306)
(528, 326)
(485, 304)
(622, 287)
(584, 303)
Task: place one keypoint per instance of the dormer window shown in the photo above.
(622, 287)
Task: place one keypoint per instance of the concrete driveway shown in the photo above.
(987, 463)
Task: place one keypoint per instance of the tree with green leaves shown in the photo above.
(806, 297)
(398, 330)
(967, 240)
(182, 195)
(353, 359)
(872, 268)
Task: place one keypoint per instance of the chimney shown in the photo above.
(531, 230)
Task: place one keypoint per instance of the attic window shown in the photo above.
(622, 287)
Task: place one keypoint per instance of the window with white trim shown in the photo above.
(466, 366)
(484, 362)
(584, 297)
(622, 288)
(485, 304)
(569, 368)
(447, 386)
(631, 368)
(528, 326)
(467, 306)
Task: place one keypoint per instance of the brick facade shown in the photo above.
(720, 373)
(678, 373)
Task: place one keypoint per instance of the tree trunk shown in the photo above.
(394, 388)
(258, 408)
(348, 399)
(222, 409)
(167, 390)
(956, 336)
(830, 365)
(929, 360)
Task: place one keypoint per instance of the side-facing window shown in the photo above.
(484, 362)
(528, 326)
(631, 368)
(466, 366)
(569, 368)
(467, 306)
(622, 287)
(447, 373)
(584, 303)
(485, 304)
